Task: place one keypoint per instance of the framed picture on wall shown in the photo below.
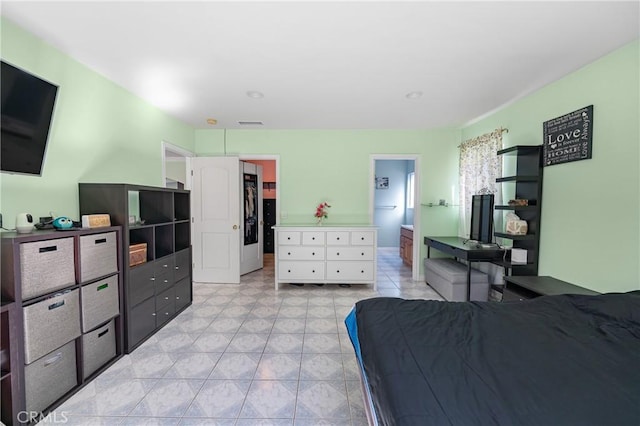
(382, 183)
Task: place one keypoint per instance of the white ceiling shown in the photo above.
(331, 65)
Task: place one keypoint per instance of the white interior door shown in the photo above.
(216, 219)
(251, 241)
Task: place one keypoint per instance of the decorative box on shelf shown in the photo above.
(137, 254)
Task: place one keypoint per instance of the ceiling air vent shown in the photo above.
(250, 123)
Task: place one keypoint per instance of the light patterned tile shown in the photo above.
(322, 399)
(193, 365)
(284, 343)
(327, 312)
(321, 367)
(235, 311)
(321, 325)
(193, 421)
(224, 325)
(289, 325)
(270, 399)
(256, 325)
(212, 342)
(292, 311)
(219, 399)
(175, 341)
(68, 420)
(264, 422)
(321, 343)
(248, 342)
(236, 366)
(278, 367)
(108, 397)
(168, 398)
(150, 421)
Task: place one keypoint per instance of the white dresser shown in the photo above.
(325, 254)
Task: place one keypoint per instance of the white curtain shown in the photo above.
(479, 168)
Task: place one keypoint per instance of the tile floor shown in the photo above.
(245, 355)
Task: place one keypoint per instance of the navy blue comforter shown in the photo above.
(558, 360)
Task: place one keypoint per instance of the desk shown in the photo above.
(455, 247)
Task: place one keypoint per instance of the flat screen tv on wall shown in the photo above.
(482, 219)
(26, 110)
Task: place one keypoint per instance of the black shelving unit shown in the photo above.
(526, 183)
(160, 288)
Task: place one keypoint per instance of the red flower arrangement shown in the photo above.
(321, 211)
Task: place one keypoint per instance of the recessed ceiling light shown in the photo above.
(255, 94)
(212, 121)
(414, 95)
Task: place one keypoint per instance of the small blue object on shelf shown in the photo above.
(62, 222)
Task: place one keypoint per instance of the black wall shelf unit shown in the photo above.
(525, 183)
(160, 288)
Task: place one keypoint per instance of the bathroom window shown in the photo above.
(410, 189)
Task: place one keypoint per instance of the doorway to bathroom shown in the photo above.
(395, 207)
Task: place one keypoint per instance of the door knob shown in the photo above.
(261, 222)
(235, 226)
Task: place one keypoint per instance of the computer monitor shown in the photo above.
(482, 218)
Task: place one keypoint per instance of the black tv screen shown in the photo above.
(482, 218)
(26, 110)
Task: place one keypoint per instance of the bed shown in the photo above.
(553, 360)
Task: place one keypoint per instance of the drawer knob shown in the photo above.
(338, 271)
(152, 279)
(362, 238)
(313, 253)
(313, 238)
(177, 297)
(289, 253)
(177, 267)
(288, 238)
(165, 266)
(288, 270)
(337, 253)
(166, 313)
(166, 298)
(362, 254)
(362, 272)
(338, 238)
(313, 270)
(166, 281)
(153, 314)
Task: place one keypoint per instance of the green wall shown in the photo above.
(333, 166)
(590, 220)
(100, 133)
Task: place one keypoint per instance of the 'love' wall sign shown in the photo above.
(568, 138)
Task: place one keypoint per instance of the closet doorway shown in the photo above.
(395, 204)
(270, 205)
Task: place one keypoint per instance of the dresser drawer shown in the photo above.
(300, 270)
(338, 238)
(350, 271)
(313, 238)
(289, 238)
(350, 253)
(183, 264)
(302, 253)
(141, 283)
(362, 238)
